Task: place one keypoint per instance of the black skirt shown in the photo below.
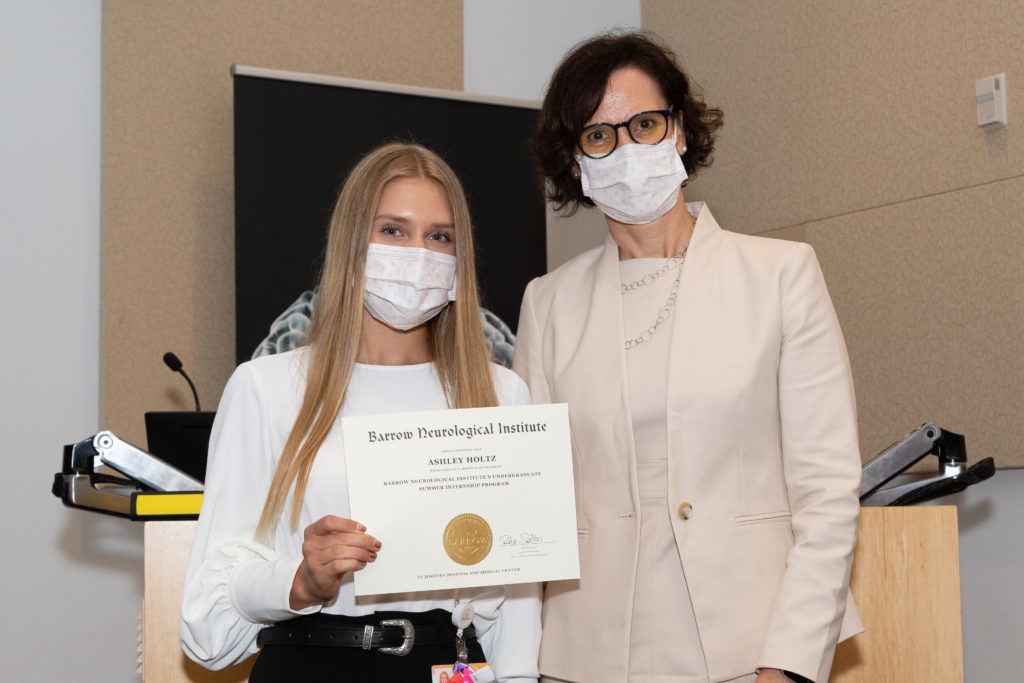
(343, 664)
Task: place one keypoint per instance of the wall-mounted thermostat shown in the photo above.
(990, 97)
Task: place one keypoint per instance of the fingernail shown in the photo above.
(377, 544)
(360, 527)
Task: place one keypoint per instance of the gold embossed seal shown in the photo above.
(468, 538)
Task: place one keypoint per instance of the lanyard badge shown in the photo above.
(462, 671)
(462, 618)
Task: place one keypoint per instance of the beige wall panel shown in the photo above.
(168, 214)
(837, 106)
(930, 294)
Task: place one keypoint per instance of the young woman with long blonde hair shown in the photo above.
(396, 329)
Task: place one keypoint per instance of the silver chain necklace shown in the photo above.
(666, 310)
(649, 279)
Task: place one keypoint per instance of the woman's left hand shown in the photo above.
(772, 676)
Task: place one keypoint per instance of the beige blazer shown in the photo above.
(764, 467)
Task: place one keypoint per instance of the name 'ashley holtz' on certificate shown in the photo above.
(448, 432)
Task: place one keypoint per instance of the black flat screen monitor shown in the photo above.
(181, 439)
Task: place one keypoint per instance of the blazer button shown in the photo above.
(684, 510)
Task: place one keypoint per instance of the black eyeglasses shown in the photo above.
(598, 140)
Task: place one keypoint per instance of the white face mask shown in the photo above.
(407, 286)
(635, 184)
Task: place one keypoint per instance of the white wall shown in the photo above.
(511, 50)
(991, 571)
(71, 580)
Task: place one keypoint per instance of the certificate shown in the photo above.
(463, 498)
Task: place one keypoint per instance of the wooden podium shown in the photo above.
(906, 578)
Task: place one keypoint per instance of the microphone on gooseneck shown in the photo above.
(174, 363)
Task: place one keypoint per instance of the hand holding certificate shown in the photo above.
(464, 498)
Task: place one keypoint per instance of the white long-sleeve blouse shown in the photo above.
(235, 585)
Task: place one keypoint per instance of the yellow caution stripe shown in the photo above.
(166, 505)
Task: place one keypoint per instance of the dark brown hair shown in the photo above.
(576, 91)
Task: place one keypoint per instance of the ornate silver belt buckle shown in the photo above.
(408, 635)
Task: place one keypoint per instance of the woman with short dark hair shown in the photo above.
(576, 91)
(709, 390)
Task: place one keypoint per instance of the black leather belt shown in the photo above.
(389, 636)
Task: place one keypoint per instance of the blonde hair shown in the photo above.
(457, 341)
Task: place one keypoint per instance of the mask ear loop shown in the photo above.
(685, 182)
(676, 125)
